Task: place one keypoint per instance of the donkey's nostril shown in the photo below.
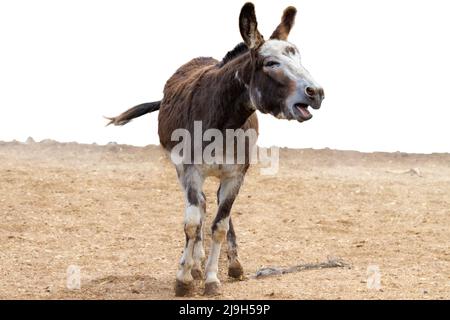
(310, 92)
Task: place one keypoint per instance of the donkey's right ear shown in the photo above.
(248, 26)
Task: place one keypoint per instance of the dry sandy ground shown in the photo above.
(116, 211)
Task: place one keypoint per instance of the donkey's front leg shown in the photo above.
(190, 263)
(228, 191)
(199, 251)
(235, 269)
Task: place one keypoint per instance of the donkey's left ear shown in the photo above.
(248, 26)
(287, 21)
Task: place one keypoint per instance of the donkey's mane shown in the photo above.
(238, 50)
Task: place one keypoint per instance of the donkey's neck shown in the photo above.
(233, 102)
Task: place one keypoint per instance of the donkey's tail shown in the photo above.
(134, 112)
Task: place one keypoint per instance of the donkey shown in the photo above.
(256, 75)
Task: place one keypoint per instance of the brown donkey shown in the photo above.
(256, 75)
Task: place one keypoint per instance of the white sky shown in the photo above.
(384, 66)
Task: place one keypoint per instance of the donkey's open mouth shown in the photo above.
(303, 112)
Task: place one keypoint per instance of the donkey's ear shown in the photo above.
(248, 26)
(287, 21)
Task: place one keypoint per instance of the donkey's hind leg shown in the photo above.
(229, 188)
(192, 183)
(235, 269)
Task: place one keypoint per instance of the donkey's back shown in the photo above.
(176, 110)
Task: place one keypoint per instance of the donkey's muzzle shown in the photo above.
(315, 96)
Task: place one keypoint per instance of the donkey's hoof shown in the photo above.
(212, 289)
(197, 274)
(183, 289)
(235, 270)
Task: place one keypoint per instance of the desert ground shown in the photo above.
(116, 211)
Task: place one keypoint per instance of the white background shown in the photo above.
(384, 66)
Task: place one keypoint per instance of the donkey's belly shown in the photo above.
(221, 170)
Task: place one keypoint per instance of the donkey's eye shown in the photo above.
(272, 64)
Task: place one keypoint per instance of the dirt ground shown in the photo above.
(116, 212)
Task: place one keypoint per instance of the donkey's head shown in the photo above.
(278, 83)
